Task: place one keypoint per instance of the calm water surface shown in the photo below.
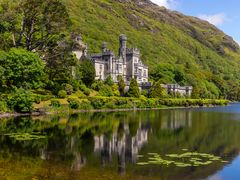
(121, 145)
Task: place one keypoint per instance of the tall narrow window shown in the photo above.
(120, 68)
(145, 73)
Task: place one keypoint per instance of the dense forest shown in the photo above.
(37, 63)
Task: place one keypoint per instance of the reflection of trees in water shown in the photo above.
(79, 138)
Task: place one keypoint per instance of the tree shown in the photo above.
(133, 89)
(33, 24)
(121, 85)
(20, 101)
(109, 81)
(60, 63)
(87, 72)
(21, 68)
(157, 91)
(179, 77)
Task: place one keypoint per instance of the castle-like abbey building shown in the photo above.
(128, 63)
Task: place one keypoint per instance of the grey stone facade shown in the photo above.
(176, 88)
(128, 63)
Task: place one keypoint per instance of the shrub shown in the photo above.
(97, 102)
(46, 97)
(105, 91)
(115, 90)
(3, 107)
(75, 85)
(69, 89)
(84, 89)
(85, 104)
(62, 94)
(55, 103)
(97, 85)
(87, 92)
(20, 101)
(144, 93)
(74, 103)
(37, 99)
(109, 81)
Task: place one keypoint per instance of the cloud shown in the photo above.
(238, 42)
(170, 4)
(215, 19)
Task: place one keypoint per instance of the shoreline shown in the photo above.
(42, 113)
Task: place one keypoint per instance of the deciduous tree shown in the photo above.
(21, 68)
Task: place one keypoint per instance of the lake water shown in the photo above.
(176, 144)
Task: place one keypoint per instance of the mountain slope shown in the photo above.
(169, 41)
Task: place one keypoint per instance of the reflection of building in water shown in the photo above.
(176, 119)
(126, 146)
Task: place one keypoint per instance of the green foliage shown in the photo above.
(133, 89)
(182, 49)
(33, 25)
(74, 103)
(84, 89)
(109, 81)
(62, 94)
(68, 88)
(3, 107)
(105, 90)
(75, 84)
(121, 85)
(88, 72)
(59, 65)
(115, 90)
(97, 85)
(157, 91)
(21, 68)
(20, 101)
(179, 77)
(85, 104)
(55, 103)
(126, 102)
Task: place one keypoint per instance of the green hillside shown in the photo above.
(177, 48)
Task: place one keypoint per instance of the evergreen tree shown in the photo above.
(121, 85)
(157, 91)
(133, 89)
(59, 64)
(88, 72)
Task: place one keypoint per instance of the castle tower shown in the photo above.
(123, 47)
(104, 47)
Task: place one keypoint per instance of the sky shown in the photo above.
(225, 14)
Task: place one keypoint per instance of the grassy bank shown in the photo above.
(121, 103)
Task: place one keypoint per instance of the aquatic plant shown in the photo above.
(187, 159)
(26, 136)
